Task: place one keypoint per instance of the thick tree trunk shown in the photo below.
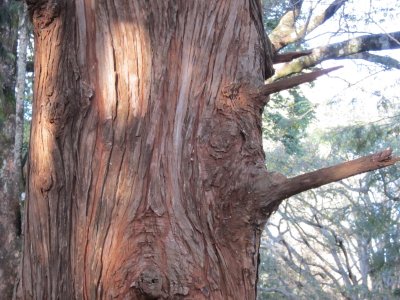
(143, 145)
(146, 168)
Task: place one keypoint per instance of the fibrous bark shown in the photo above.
(142, 148)
(146, 150)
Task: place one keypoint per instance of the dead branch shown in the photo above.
(273, 193)
(289, 56)
(291, 82)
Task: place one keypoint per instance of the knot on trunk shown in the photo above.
(149, 284)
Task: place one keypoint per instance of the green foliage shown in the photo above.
(360, 139)
(286, 119)
(8, 25)
(273, 10)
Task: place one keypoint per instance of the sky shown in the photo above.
(355, 93)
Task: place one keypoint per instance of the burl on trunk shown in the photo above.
(146, 175)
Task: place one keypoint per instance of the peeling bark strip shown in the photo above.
(145, 147)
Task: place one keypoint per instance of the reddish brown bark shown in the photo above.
(141, 149)
(145, 147)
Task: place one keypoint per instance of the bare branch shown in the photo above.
(287, 33)
(345, 49)
(274, 191)
(289, 56)
(284, 292)
(385, 61)
(288, 83)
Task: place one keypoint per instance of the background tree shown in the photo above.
(10, 215)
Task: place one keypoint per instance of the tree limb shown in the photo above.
(385, 61)
(286, 32)
(276, 191)
(289, 56)
(284, 292)
(345, 49)
(288, 83)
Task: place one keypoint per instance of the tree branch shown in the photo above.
(286, 293)
(289, 56)
(287, 33)
(275, 191)
(385, 61)
(288, 83)
(372, 42)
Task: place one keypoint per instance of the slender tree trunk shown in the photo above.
(23, 40)
(9, 213)
(9, 205)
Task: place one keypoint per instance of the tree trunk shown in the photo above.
(142, 147)
(23, 39)
(9, 205)
(146, 167)
(10, 215)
